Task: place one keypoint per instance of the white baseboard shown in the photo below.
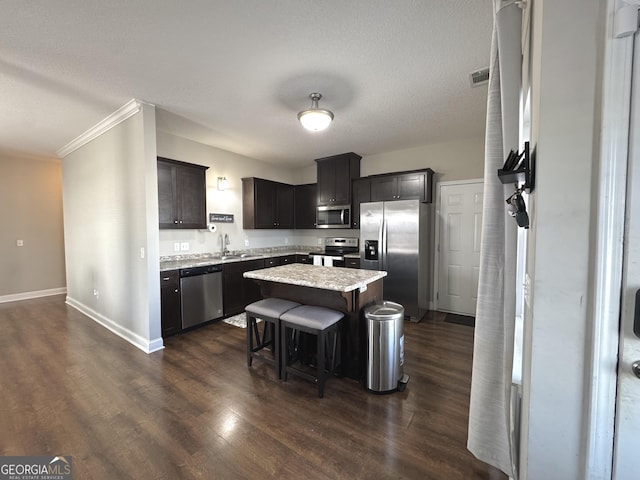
(35, 294)
(147, 346)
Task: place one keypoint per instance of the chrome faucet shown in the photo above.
(225, 250)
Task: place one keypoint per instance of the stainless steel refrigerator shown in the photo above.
(393, 238)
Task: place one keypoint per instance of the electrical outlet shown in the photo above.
(96, 293)
(176, 247)
(19, 243)
(319, 241)
(246, 241)
(286, 240)
(184, 247)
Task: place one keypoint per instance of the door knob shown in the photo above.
(635, 366)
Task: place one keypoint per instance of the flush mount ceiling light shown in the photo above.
(315, 119)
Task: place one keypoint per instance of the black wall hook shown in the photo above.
(519, 169)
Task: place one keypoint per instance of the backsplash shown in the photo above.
(253, 251)
(205, 242)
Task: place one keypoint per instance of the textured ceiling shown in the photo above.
(234, 74)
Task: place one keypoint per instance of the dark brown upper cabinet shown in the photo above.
(335, 175)
(306, 198)
(402, 186)
(267, 204)
(182, 195)
(361, 194)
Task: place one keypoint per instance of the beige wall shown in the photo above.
(461, 159)
(455, 160)
(110, 227)
(33, 188)
(31, 199)
(234, 167)
(565, 122)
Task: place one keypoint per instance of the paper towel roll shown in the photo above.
(212, 227)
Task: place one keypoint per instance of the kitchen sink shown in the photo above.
(237, 257)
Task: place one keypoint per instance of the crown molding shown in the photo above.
(127, 110)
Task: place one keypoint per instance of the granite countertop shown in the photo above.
(327, 278)
(202, 260)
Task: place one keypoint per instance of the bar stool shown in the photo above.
(318, 321)
(269, 310)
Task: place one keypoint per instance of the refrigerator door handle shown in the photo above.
(383, 244)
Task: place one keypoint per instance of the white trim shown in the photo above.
(601, 374)
(127, 110)
(16, 297)
(433, 305)
(459, 182)
(147, 346)
(625, 20)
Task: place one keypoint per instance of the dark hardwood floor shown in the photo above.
(194, 410)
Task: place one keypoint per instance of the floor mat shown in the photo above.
(460, 319)
(239, 320)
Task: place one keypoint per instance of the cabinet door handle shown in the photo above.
(165, 279)
(175, 221)
(176, 290)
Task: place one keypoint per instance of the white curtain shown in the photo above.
(491, 427)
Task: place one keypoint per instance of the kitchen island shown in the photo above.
(347, 290)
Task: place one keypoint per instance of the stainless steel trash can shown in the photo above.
(385, 347)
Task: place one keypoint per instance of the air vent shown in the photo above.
(480, 77)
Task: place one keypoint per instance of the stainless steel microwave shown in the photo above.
(333, 216)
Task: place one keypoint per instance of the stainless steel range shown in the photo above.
(335, 248)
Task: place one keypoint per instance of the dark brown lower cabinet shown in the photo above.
(352, 262)
(302, 258)
(239, 291)
(170, 313)
(281, 260)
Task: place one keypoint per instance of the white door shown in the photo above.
(460, 228)
(627, 426)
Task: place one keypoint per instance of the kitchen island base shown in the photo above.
(350, 303)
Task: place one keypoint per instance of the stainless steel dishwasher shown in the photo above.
(201, 294)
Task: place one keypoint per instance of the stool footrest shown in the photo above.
(269, 311)
(325, 325)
